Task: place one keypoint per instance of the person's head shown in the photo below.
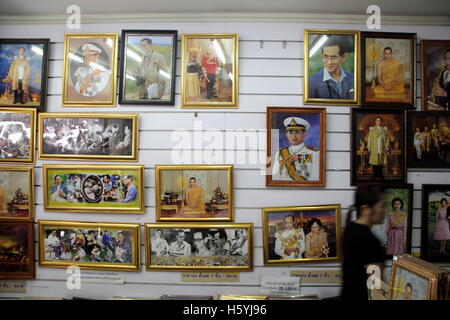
(127, 180)
(315, 225)
(121, 236)
(146, 45)
(91, 53)
(434, 125)
(53, 233)
(444, 202)
(21, 51)
(447, 58)
(159, 233)
(289, 221)
(369, 204)
(107, 178)
(296, 129)
(425, 128)
(334, 53)
(220, 237)
(408, 291)
(57, 179)
(237, 233)
(192, 182)
(199, 242)
(387, 53)
(180, 236)
(378, 121)
(397, 204)
(417, 130)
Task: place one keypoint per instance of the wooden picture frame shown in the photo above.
(17, 190)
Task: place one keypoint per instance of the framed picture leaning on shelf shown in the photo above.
(16, 192)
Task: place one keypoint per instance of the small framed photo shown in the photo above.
(90, 69)
(194, 193)
(199, 246)
(295, 235)
(395, 232)
(209, 70)
(17, 135)
(148, 66)
(388, 74)
(435, 223)
(94, 188)
(428, 139)
(17, 249)
(23, 71)
(378, 146)
(435, 69)
(88, 136)
(89, 245)
(331, 67)
(296, 144)
(16, 193)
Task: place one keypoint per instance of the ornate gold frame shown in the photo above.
(133, 227)
(184, 57)
(30, 171)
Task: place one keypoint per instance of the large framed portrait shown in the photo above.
(17, 135)
(295, 235)
(428, 139)
(388, 74)
(23, 71)
(435, 223)
(395, 232)
(16, 192)
(377, 146)
(296, 144)
(435, 62)
(17, 249)
(194, 193)
(89, 245)
(94, 188)
(331, 67)
(199, 246)
(90, 69)
(148, 66)
(209, 70)
(88, 136)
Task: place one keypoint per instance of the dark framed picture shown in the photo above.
(331, 67)
(435, 74)
(17, 249)
(16, 192)
(428, 139)
(388, 77)
(296, 144)
(148, 66)
(395, 232)
(378, 146)
(23, 73)
(435, 223)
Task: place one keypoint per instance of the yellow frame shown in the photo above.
(74, 103)
(32, 113)
(54, 224)
(160, 168)
(111, 209)
(266, 211)
(201, 225)
(184, 58)
(30, 171)
(357, 72)
(135, 135)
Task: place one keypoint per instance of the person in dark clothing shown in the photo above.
(360, 246)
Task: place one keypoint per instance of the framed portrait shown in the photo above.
(377, 146)
(17, 249)
(199, 246)
(94, 188)
(16, 193)
(331, 67)
(90, 69)
(428, 139)
(295, 235)
(23, 73)
(388, 74)
(209, 70)
(148, 66)
(296, 144)
(396, 231)
(194, 193)
(435, 69)
(435, 223)
(89, 245)
(17, 135)
(88, 136)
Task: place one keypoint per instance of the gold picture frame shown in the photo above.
(324, 247)
(85, 125)
(169, 206)
(23, 197)
(94, 188)
(10, 119)
(318, 91)
(184, 237)
(57, 251)
(92, 55)
(202, 59)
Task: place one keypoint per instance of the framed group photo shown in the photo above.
(90, 69)
(16, 192)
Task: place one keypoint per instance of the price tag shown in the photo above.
(289, 286)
